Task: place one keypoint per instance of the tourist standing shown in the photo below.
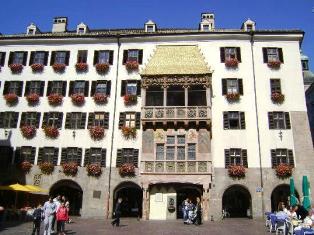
(185, 209)
(49, 212)
(117, 213)
(37, 216)
(198, 209)
(62, 216)
(57, 201)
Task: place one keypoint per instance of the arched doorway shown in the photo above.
(186, 191)
(132, 197)
(281, 193)
(237, 201)
(70, 190)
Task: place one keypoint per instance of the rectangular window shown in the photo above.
(131, 89)
(170, 139)
(30, 119)
(103, 57)
(56, 87)
(130, 119)
(181, 139)
(272, 54)
(101, 87)
(34, 87)
(191, 151)
(127, 155)
(279, 120)
(275, 85)
(170, 152)
(79, 87)
(154, 96)
(60, 57)
(160, 151)
(231, 86)
(71, 155)
(133, 55)
(48, 154)
(180, 152)
(18, 57)
(53, 119)
(76, 120)
(236, 156)
(82, 56)
(14, 87)
(8, 119)
(39, 57)
(227, 53)
(284, 156)
(196, 96)
(230, 53)
(234, 120)
(99, 119)
(96, 155)
(27, 153)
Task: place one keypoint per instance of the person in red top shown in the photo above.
(62, 215)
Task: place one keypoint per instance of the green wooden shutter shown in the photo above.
(108, 88)
(79, 156)
(53, 58)
(106, 121)
(45, 120)
(240, 84)
(274, 162)
(42, 87)
(60, 119)
(103, 157)
(244, 158)
(49, 88)
(91, 119)
(64, 88)
(2, 58)
(222, 54)
(125, 56)
(93, 88)
(242, 120)
(38, 114)
(123, 85)
(67, 57)
(287, 120)
(31, 59)
(122, 120)
(87, 157)
(271, 123)
(135, 157)
(227, 158)
(290, 157)
(25, 53)
(23, 119)
(225, 120)
(96, 55)
(68, 121)
(138, 120)
(224, 86)
(28, 83)
(17, 155)
(6, 87)
(11, 57)
(1, 119)
(71, 88)
(40, 156)
(280, 55)
(15, 120)
(140, 56)
(33, 154)
(86, 88)
(20, 88)
(265, 56)
(110, 57)
(238, 54)
(119, 158)
(83, 121)
(138, 88)
(46, 58)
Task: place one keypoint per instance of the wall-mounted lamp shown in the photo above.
(74, 134)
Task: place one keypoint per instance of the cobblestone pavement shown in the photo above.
(132, 226)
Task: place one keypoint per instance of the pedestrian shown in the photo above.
(117, 213)
(37, 217)
(49, 211)
(57, 201)
(198, 211)
(184, 206)
(67, 205)
(62, 216)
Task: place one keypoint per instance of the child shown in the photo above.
(37, 216)
(62, 216)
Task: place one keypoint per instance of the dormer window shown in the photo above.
(150, 28)
(206, 27)
(249, 27)
(81, 30)
(31, 31)
(305, 64)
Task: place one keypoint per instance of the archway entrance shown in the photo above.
(187, 191)
(237, 201)
(281, 193)
(132, 196)
(70, 190)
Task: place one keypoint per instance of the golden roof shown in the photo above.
(176, 59)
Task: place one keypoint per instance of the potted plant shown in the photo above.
(100, 98)
(58, 68)
(231, 62)
(236, 171)
(233, 97)
(131, 65)
(277, 97)
(51, 132)
(37, 68)
(70, 168)
(78, 99)
(16, 68)
(97, 132)
(81, 67)
(129, 132)
(46, 167)
(130, 99)
(283, 170)
(274, 64)
(127, 169)
(11, 98)
(26, 166)
(102, 67)
(32, 98)
(94, 170)
(55, 99)
(28, 131)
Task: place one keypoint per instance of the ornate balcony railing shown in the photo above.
(176, 167)
(176, 113)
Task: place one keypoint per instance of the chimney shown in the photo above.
(207, 22)
(59, 24)
(32, 29)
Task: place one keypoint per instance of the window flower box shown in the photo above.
(277, 97)
(55, 99)
(26, 166)
(233, 97)
(283, 170)
(70, 168)
(274, 64)
(129, 132)
(100, 98)
(131, 65)
(231, 63)
(94, 170)
(11, 98)
(37, 68)
(97, 132)
(46, 168)
(28, 131)
(102, 67)
(51, 132)
(130, 99)
(16, 68)
(32, 98)
(81, 67)
(78, 99)
(127, 169)
(236, 171)
(59, 68)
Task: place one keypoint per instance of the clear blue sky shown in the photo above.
(15, 15)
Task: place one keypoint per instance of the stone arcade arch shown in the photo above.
(72, 191)
(280, 194)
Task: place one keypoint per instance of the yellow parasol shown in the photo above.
(36, 189)
(16, 187)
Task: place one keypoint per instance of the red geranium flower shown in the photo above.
(37, 67)
(78, 99)
(94, 169)
(11, 98)
(51, 132)
(236, 171)
(129, 132)
(102, 67)
(26, 166)
(274, 64)
(81, 67)
(46, 167)
(97, 132)
(70, 168)
(55, 99)
(130, 99)
(131, 65)
(127, 169)
(32, 98)
(231, 62)
(283, 170)
(59, 68)
(277, 97)
(16, 68)
(28, 131)
(100, 98)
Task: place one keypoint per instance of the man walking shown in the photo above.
(117, 213)
(49, 212)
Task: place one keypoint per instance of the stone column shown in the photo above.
(205, 203)
(186, 96)
(145, 205)
(165, 97)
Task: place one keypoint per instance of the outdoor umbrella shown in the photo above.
(17, 188)
(36, 189)
(306, 194)
(293, 199)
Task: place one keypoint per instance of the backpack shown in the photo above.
(37, 214)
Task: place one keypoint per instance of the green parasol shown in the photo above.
(293, 199)
(306, 193)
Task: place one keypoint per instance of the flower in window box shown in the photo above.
(28, 131)
(25, 166)
(100, 98)
(51, 132)
(283, 170)
(130, 99)
(131, 65)
(97, 132)
(37, 68)
(277, 97)
(70, 168)
(11, 98)
(32, 98)
(59, 68)
(274, 64)
(16, 68)
(55, 99)
(129, 132)
(231, 62)
(127, 169)
(81, 67)
(94, 170)
(78, 99)
(233, 97)
(46, 167)
(236, 171)
(102, 67)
